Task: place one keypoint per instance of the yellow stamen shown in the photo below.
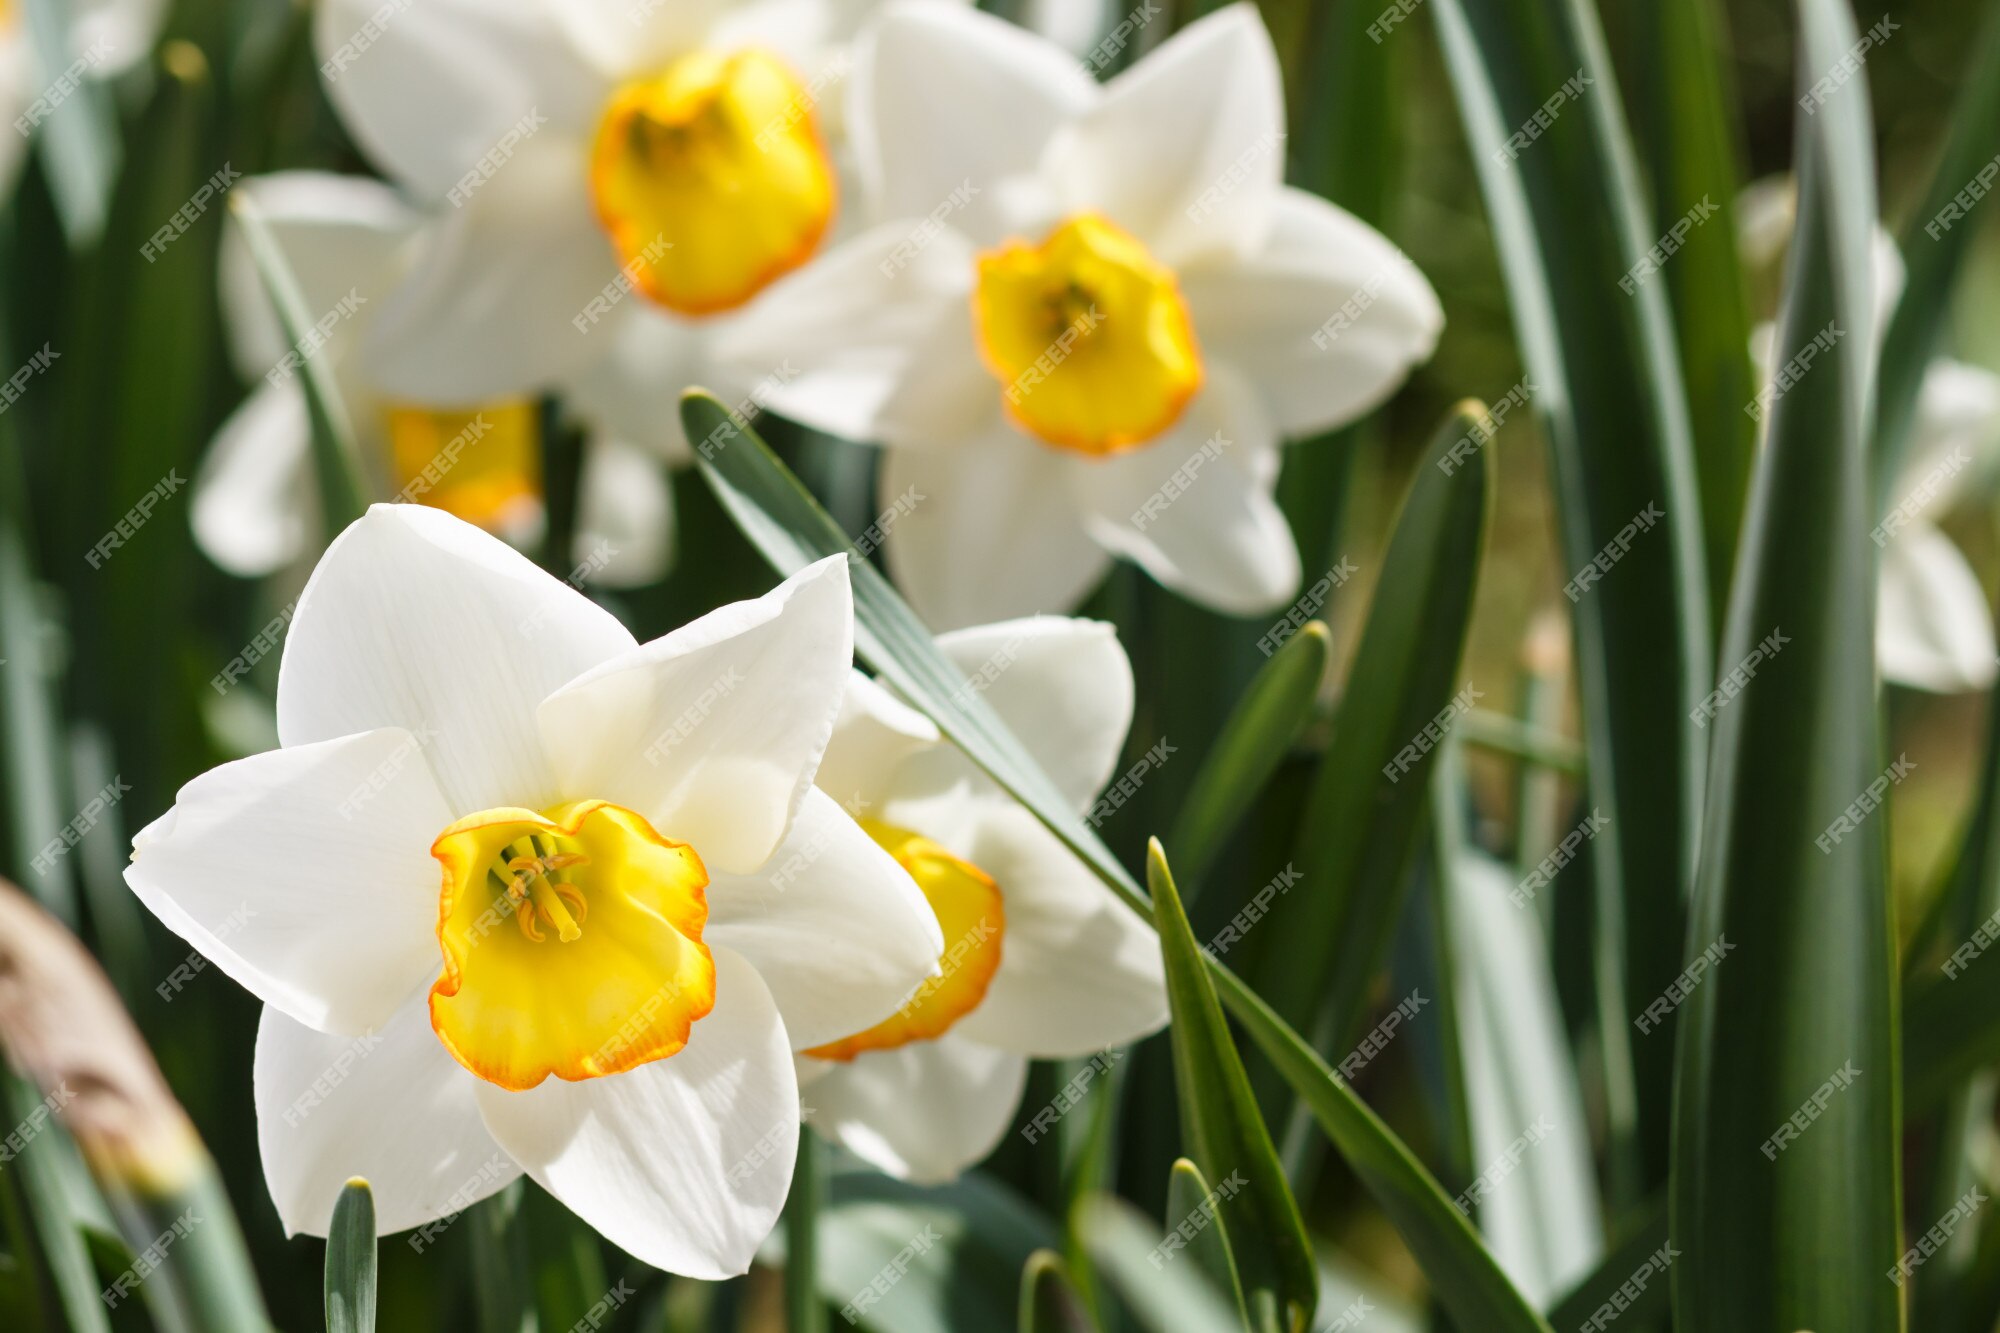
(968, 907)
(711, 180)
(514, 1006)
(1088, 336)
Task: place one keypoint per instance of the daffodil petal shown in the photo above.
(922, 1112)
(1955, 436)
(837, 929)
(945, 97)
(414, 619)
(1081, 971)
(1327, 316)
(254, 495)
(685, 1162)
(1062, 686)
(996, 534)
(1185, 149)
(337, 233)
(833, 344)
(713, 732)
(1933, 626)
(500, 297)
(389, 1106)
(631, 386)
(434, 87)
(1195, 509)
(621, 37)
(305, 874)
(873, 736)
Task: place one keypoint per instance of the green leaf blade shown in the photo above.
(350, 1261)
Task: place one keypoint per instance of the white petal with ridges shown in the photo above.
(1079, 970)
(996, 533)
(391, 1106)
(1327, 318)
(684, 1162)
(416, 619)
(874, 734)
(306, 875)
(1195, 508)
(922, 1112)
(714, 731)
(839, 931)
(1062, 686)
(1186, 149)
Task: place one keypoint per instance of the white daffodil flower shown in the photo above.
(503, 841)
(606, 181)
(1040, 960)
(1090, 314)
(349, 240)
(106, 38)
(1933, 621)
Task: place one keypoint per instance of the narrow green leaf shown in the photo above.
(1221, 1123)
(1049, 1301)
(785, 523)
(1786, 1192)
(1542, 111)
(1166, 1294)
(1688, 130)
(1629, 1282)
(1934, 244)
(1361, 818)
(39, 1174)
(350, 1261)
(336, 466)
(1256, 737)
(1210, 1247)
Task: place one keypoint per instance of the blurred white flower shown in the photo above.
(1933, 621)
(349, 240)
(106, 37)
(1090, 317)
(604, 181)
(1040, 960)
(468, 869)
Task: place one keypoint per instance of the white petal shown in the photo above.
(1079, 970)
(1955, 435)
(683, 1162)
(428, 89)
(306, 875)
(1933, 628)
(1062, 686)
(337, 234)
(624, 514)
(832, 344)
(1186, 149)
(713, 732)
(1327, 317)
(640, 364)
(625, 37)
(499, 299)
(946, 101)
(391, 1106)
(254, 496)
(922, 1112)
(1194, 508)
(416, 619)
(874, 734)
(995, 534)
(122, 30)
(840, 932)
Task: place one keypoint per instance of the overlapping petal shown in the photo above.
(714, 731)
(684, 1162)
(415, 619)
(305, 874)
(924, 1112)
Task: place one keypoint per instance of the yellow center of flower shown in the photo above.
(572, 943)
(967, 904)
(1088, 335)
(711, 179)
(483, 465)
